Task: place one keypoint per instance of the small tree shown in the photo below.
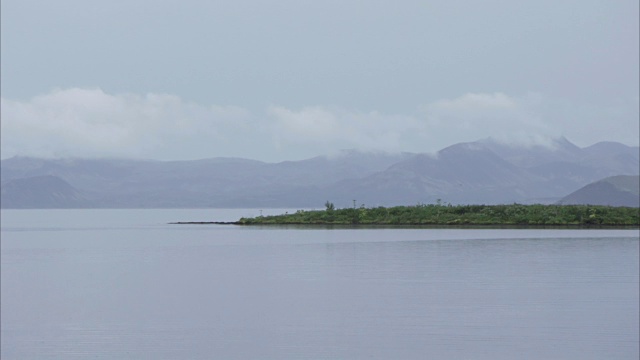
(329, 206)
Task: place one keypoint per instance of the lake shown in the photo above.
(124, 284)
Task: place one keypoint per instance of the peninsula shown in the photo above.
(453, 215)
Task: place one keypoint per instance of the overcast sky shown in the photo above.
(284, 80)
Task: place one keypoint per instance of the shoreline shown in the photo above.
(416, 226)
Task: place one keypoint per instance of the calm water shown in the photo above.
(123, 284)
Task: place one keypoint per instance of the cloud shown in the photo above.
(473, 116)
(532, 119)
(588, 123)
(340, 129)
(89, 122)
(508, 119)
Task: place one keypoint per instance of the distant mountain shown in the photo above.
(614, 191)
(558, 150)
(467, 172)
(610, 148)
(41, 192)
(613, 158)
(216, 182)
(484, 171)
(490, 172)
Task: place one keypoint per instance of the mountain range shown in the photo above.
(483, 171)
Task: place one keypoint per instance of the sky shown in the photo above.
(287, 80)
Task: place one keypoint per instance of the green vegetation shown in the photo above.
(438, 214)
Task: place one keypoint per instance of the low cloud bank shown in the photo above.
(91, 123)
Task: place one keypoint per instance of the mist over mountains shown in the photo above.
(484, 171)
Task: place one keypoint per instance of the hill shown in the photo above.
(41, 192)
(612, 191)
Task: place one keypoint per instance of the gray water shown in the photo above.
(123, 284)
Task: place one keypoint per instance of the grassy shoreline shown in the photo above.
(464, 216)
(412, 226)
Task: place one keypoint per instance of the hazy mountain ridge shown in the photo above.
(534, 155)
(41, 192)
(484, 171)
(620, 190)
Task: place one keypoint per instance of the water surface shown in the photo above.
(125, 284)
